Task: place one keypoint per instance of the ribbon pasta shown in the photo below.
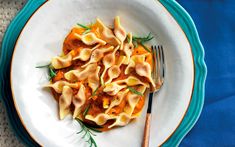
(101, 77)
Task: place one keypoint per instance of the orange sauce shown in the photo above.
(94, 29)
(73, 46)
(139, 105)
(118, 109)
(122, 74)
(72, 42)
(59, 76)
(140, 50)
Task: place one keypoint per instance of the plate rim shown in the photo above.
(186, 24)
(9, 41)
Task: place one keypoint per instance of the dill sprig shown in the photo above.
(51, 71)
(94, 93)
(83, 26)
(86, 110)
(87, 29)
(142, 40)
(87, 133)
(128, 39)
(145, 47)
(134, 91)
(43, 66)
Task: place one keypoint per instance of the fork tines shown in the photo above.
(159, 71)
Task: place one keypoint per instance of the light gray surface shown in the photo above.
(8, 10)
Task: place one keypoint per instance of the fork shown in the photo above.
(158, 77)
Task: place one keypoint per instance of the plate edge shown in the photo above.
(186, 23)
(9, 40)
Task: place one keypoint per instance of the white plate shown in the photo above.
(42, 38)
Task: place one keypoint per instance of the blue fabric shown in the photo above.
(215, 22)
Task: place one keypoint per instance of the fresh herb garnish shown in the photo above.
(87, 29)
(43, 66)
(83, 26)
(52, 73)
(94, 93)
(134, 91)
(128, 39)
(88, 133)
(51, 70)
(96, 127)
(146, 48)
(135, 44)
(86, 110)
(142, 40)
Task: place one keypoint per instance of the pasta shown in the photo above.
(65, 101)
(103, 75)
(119, 31)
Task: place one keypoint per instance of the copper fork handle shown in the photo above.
(146, 131)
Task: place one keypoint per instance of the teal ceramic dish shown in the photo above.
(181, 17)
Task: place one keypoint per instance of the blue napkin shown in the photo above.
(215, 22)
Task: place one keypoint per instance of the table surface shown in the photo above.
(8, 9)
